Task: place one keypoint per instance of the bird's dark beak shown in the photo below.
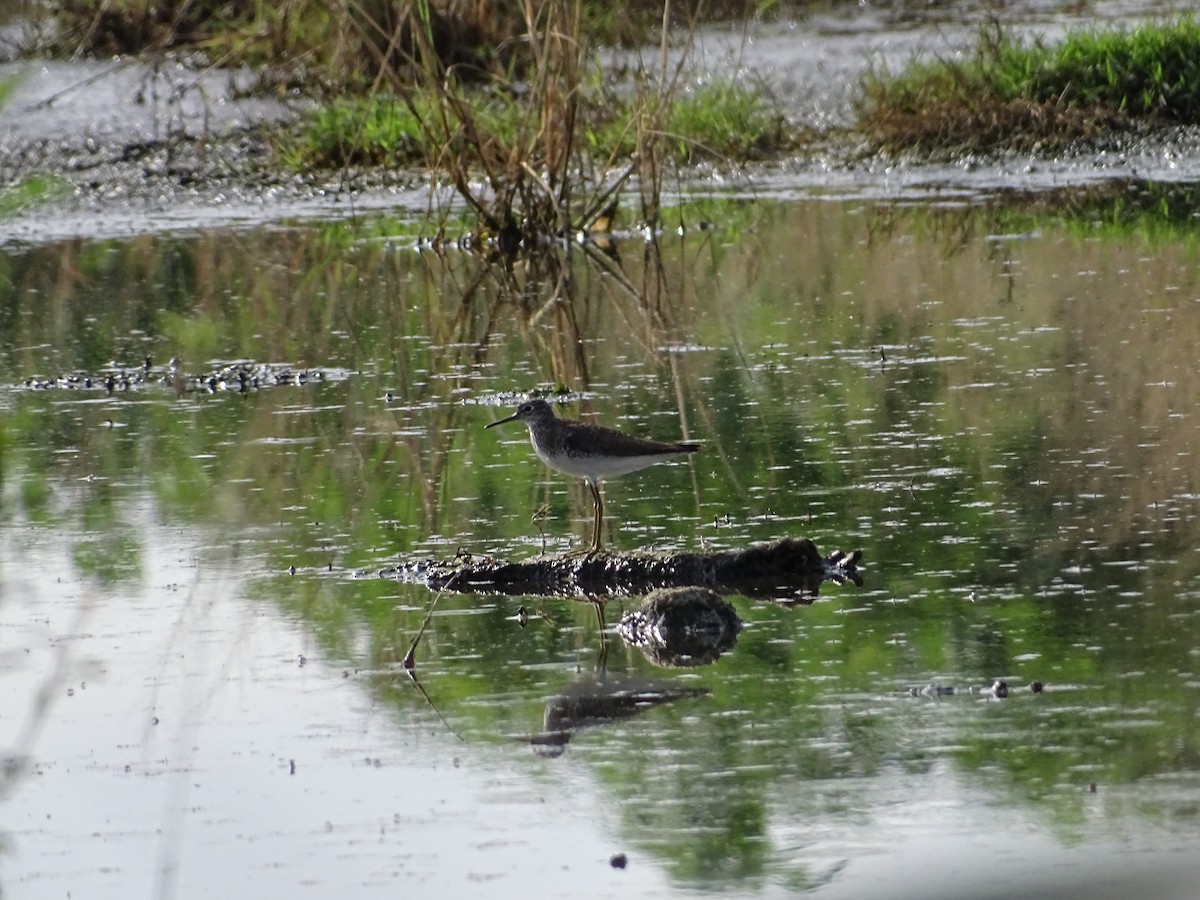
(511, 418)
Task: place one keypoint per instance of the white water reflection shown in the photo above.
(161, 763)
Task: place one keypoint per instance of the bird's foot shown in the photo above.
(589, 552)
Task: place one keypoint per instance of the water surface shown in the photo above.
(996, 401)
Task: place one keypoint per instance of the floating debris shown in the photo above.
(998, 689)
(239, 377)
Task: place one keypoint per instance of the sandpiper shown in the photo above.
(590, 452)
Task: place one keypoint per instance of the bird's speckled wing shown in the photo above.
(588, 440)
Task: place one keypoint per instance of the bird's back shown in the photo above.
(596, 452)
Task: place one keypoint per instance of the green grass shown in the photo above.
(384, 129)
(715, 121)
(1010, 93)
(29, 191)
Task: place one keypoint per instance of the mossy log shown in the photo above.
(787, 570)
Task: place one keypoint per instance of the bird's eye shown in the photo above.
(526, 407)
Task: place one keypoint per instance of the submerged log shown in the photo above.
(684, 626)
(788, 570)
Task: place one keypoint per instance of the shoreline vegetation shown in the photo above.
(1009, 94)
(508, 100)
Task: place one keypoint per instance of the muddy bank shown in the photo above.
(164, 146)
(168, 146)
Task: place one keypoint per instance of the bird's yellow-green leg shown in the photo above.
(599, 519)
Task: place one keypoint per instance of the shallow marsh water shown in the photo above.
(997, 400)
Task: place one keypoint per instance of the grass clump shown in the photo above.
(29, 191)
(388, 129)
(1010, 93)
(717, 120)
